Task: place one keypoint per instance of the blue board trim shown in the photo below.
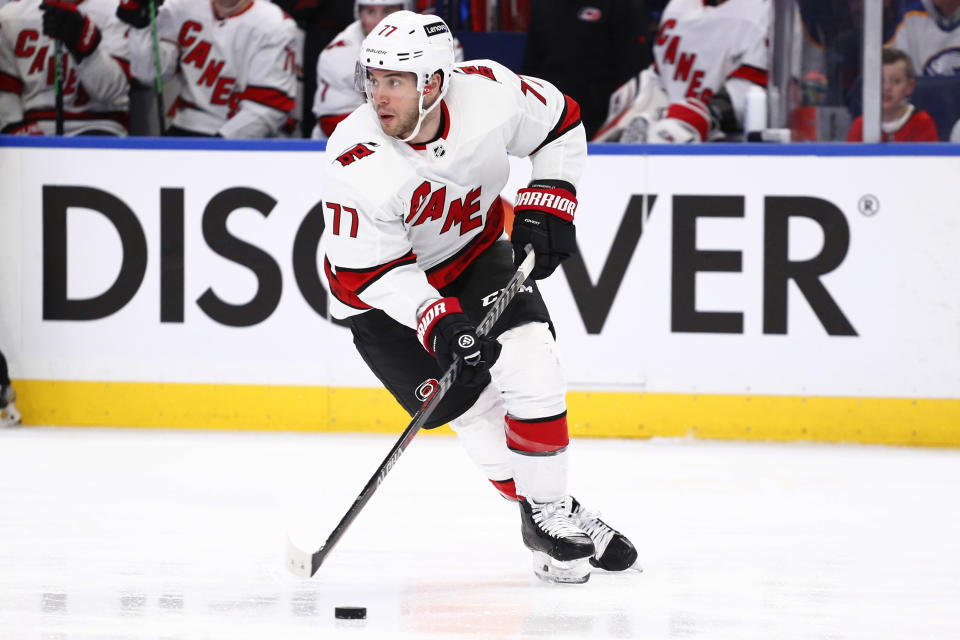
(598, 149)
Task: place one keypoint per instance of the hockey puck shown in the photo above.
(350, 613)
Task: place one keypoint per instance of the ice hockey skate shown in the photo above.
(614, 552)
(9, 416)
(561, 550)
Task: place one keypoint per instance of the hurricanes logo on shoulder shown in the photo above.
(356, 153)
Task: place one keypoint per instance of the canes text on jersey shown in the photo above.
(460, 212)
(44, 62)
(684, 65)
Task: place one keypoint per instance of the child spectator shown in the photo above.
(902, 122)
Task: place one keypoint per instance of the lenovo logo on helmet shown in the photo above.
(435, 28)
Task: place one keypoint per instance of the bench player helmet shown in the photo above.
(410, 42)
(406, 4)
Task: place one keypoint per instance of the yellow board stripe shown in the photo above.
(932, 422)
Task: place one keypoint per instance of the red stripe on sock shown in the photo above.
(507, 488)
(537, 436)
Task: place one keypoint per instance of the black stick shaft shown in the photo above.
(58, 82)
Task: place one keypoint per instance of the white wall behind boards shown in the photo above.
(796, 275)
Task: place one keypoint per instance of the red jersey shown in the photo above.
(919, 127)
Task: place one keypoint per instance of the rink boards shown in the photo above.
(803, 292)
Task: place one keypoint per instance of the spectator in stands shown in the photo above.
(94, 84)
(929, 33)
(902, 122)
(236, 61)
(9, 416)
(588, 48)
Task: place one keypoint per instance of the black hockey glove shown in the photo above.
(136, 13)
(543, 217)
(445, 331)
(77, 31)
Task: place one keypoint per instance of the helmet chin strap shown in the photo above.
(423, 114)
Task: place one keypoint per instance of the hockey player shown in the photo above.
(336, 93)
(929, 32)
(700, 49)
(95, 80)
(9, 416)
(415, 251)
(237, 62)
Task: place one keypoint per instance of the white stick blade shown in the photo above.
(299, 562)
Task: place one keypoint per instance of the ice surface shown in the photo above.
(134, 534)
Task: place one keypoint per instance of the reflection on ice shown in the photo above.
(169, 535)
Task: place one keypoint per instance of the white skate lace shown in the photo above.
(597, 529)
(554, 519)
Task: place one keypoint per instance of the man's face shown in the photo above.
(371, 15)
(897, 87)
(395, 99)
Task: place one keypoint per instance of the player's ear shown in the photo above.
(433, 85)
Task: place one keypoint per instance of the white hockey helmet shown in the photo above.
(406, 4)
(412, 42)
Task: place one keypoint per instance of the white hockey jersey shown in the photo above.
(403, 220)
(237, 74)
(95, 91)
(701, 48)
(337, 94)
(931, 39)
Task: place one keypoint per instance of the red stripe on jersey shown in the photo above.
(569, 118)
(572, 115)
(329, 123)
(10, 83)
(507, 488)
(750, 74)
(340, 292)
(269, 97)
(125, 65)
(356, 280)
(545, 435)
(450, 269)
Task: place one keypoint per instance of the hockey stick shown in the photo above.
(156, 63)
(306, 564)
(58, 85)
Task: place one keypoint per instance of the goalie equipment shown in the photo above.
(560, 548)
(684, 122)
(634, 105)
(407, 41)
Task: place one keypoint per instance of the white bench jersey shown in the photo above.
(95, 92)
(238, 74)
(701, 48)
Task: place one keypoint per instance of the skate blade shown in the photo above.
(566, 572)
